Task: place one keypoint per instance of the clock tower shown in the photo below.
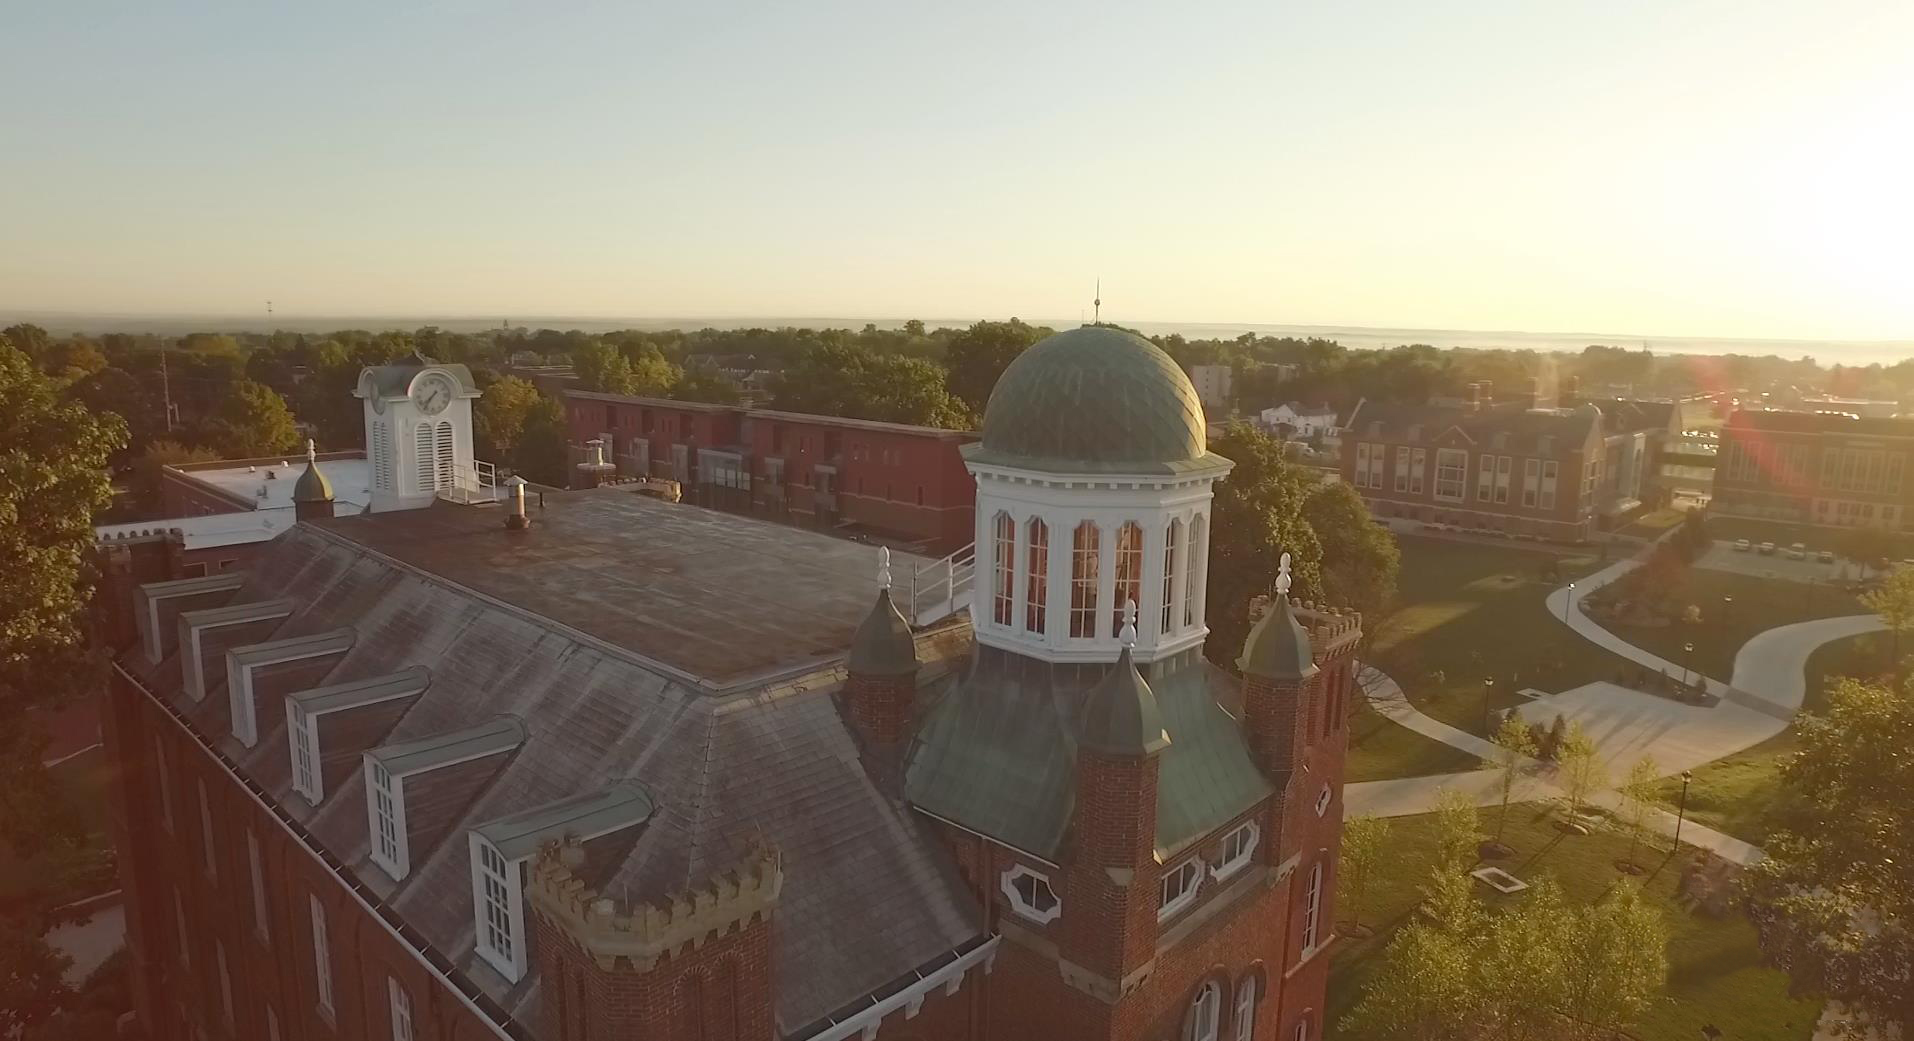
(418, 416)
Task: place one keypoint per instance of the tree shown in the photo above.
(606, 369)
(1693, 535)
(1616, 964)
(1868, 547)
(498, 421)
(1255, 518)
(116, 391)
(844, 379)
(1425, 990)
(1833, 901)
(977, 356)
(1513, 747)
(157, 456)
(1364, 839)
(1582, 773)
(705, 383)
(1638, 800)
(29, 339)
(1457, 831)
(53, 478)
(1359, 556)
(543, 454)
(253, 421)
(1894, 602)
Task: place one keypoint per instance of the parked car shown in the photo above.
(1826, 556)
(1798, 551)
(1766, 548)
(1742, 545)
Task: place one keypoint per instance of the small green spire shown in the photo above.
(1120, 716)
(883, 645)
(312, 486)
(1277, 648)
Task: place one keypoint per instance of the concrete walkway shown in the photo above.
(1766, 690)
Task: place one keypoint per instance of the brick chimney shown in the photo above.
(695, 968)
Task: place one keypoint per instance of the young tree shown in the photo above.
(1581, 771)
(1359, 556)
(53, 478)
(1514, 746)
(542, 454)
(498, 421)
(1364, 839)
(1256, 517)
(1425, 990)
(159, 455)
(253, 421)
(1458, 830)
(1894, 602)
(981, 353)
(1616, 962)
(1833, 901)
(1638, 801)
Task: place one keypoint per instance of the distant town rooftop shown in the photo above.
(722, 600)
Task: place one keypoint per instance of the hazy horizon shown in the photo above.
(1677, 169)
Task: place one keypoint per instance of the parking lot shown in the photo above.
(1722, 556)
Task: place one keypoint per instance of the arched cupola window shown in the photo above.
(1037, 593)
(1129, 572)
(1193, 567)
(1172, 544)
(1084, 569)
(1004, 569)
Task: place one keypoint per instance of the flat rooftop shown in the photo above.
(720, 598)
(269, 485)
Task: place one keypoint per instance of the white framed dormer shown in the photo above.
(385, 819)
(1178, 887)
(386, 769)
(1030, 895)
(243, 662)
(1056, 554)
(305, 709)
(302, 743)
(1239, 848)
(498, 908)
(500, 848)
(195, 625)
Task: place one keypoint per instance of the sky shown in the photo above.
(1680, 167)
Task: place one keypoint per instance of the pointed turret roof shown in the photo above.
(883, 645)
(312, 486)
(1278, 646)
(1120, 716)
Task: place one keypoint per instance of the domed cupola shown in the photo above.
(1093, 489)
(312, 495)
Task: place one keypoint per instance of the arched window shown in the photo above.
(433, 444)
(1206, 1012)
(1083, 581)
(1129, 572)
(1313, 907)
(1002, 590)
(1302, 1026)
(1037, 593)
(1172, 542)
(1193, 567)
(1243, 1019)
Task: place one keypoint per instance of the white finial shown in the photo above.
(1282, 576)
(1128, 636)
(883, 567)
(1097, 316)
(312, 451)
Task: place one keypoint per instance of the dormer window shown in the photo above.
(385, 806)
(387, 769)
(498, 897)
(1030, 895)
(302, 735)
(1238, 846)
(1178, 888)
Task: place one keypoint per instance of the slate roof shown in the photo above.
(869, 894)
(997, 754)
(392, 381)
(1523, 428)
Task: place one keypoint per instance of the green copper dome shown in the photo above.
(1278, 647)
(312, 486)
(1095, 399)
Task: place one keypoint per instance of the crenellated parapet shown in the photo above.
(640, 934)
(1333, 631)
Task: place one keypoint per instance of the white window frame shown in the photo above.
(260, 927)
(1550, 470)
(1376, 453)
(302, 743)
(1206, 1012)
(1172, 561)
(1239, 847)
(1003, 582)
(1455, 461)
(206, 832)
(1531, 482)
(1361, 471)
(1036, 596)
(1484, 478)
(1195, 568)
(385, 819)
(1312, 909)
(1243, 1019)
(1417, 469)
(1186, 879)
(165, 782)
(1402, 469)
(321, 957)
(225, 983)
(401, 1005)
(1041, 916)
(495, 885)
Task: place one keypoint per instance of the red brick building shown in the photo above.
(638, 771)
(1524, 466)
(1817, 468)
(820, 471)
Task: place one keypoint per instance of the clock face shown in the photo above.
(432, 395)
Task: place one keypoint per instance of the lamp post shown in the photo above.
(1569, 599)
(1727, 604)
(1688, 663)
(1488, 689)
(1681, 811)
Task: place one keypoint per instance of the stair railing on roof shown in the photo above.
(942, 588)
(474, 484)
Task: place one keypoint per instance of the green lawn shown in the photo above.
(1381, 749)
(1737, 795)
(1471, 612)
(83, 779)
(1759, 605)
(1653, 524)
(1715, 972)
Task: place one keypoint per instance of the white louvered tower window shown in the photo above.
(445, 455)
(382, 458)
(423, 456)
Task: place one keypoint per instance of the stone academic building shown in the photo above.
(623, 769)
